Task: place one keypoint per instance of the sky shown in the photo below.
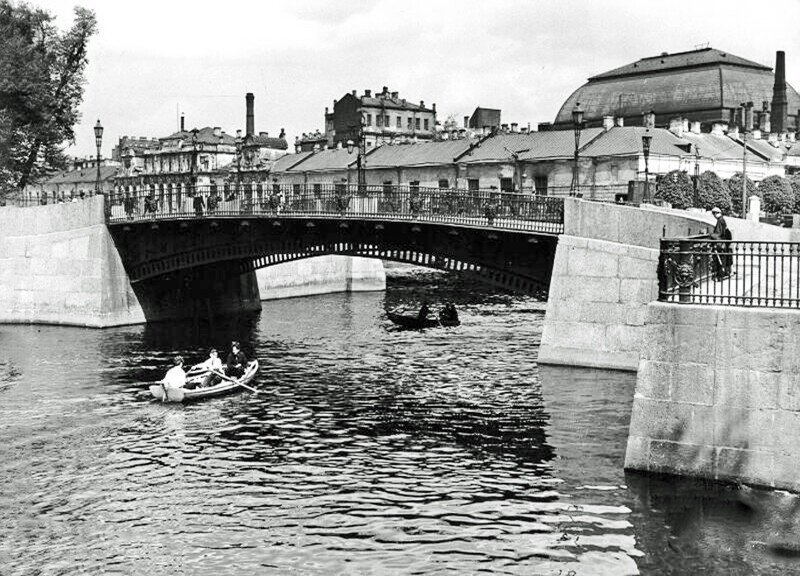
(151, 58)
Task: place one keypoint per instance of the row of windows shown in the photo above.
(384, 120)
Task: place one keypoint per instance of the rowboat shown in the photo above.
(188, 395)
(415, 322)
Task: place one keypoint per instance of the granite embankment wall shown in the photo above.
(59, 265)
(604, 276)
(718, 395)
(321, 275)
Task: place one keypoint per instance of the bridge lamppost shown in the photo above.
(98, 140)
(360, 172)
(193, 167)
(577, 125)
(647, 139)
(238, 163)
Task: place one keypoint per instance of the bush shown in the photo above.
(794, 182)
(675, 187)
(777, 194)
(711, 191)
(734, 184)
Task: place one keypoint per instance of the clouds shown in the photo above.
(525, 57)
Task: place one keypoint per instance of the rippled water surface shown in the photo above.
(368, 450)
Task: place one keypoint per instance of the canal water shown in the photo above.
(368, 450)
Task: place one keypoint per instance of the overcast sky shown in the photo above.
(151, 57)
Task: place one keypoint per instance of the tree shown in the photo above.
(794, 181)
(711, 191)
(777, 194)
(735, 187)
(675, 187)
(41, 88)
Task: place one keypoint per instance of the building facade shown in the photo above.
(379, 118)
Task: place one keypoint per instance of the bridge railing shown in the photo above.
(507, 210)
(704, 270)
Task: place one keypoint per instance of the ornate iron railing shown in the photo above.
(704, 270)
(505, 210)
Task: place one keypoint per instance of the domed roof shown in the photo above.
(700, 85)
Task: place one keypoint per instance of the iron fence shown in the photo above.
(704, 270)
(506, 210)
(29, 199)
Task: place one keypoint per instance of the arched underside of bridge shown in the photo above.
(197, 263)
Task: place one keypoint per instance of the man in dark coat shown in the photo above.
(237, 362)
(722, 258)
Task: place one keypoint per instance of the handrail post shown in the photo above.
(685, 267)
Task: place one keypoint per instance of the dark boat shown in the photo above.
(224, 387)
(415, 322)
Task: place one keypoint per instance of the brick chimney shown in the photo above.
(695, 127)
(183, 123)
(466, 121)
(649, 120)
(619, 121)
(367, 94)
(780, 105)
(608, 123)
(676, 126)
(250, 120)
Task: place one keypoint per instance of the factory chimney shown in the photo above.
(779, 102)
(251, 119)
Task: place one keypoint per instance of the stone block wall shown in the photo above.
(598, 303)
(59, 265)
(718, 395)
(321, 275)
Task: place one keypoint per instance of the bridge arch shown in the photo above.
(516, 260)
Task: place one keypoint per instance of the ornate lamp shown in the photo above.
(647, 139)
(98, 140)
(577, 125)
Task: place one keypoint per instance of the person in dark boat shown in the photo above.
(423, 311)
(448, 314)
(722, 258)
(237, 361)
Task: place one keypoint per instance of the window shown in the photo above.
(473, 184)
(444, 183)
(295, 190)
(399, 122)
(276, 189)
(414, 185)
(426, 124)
(506, 185)
(378, 120)
(317, 191)
(410, 123)
(416, 123)
(540, 183)
(369, 119)
(386, 121)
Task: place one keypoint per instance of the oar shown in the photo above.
(229, 379)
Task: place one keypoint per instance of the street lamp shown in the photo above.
(360, 173)
(647, 138)
(696, 176)
(238, 163)
(577, 125)
(98, 140)
(193, 167)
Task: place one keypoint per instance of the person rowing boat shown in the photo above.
(211, 365)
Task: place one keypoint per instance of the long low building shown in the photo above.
(610, 158)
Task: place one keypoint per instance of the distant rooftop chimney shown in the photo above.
(608, 123)
(422, 103)
(395, 95)
(780, 105)
(183, 128)
(217, 131)
(250, 120)
(676, 126)
(466, 121)
(368, 93)
(514, 126)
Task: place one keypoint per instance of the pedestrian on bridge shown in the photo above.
(199, 204)
(722, 260)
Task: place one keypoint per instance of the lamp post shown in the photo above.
(98, 140)
(193, 167)
(360, 173)
(696, 176)
(238, 163)
(747, 124)
(577, 125)
(647, 139)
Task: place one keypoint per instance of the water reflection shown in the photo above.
(368, 450)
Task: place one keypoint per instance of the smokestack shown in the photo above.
(779, 101)
(183, 129)
(466, 121)
(251, 118)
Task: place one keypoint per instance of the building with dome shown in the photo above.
(706, 85)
